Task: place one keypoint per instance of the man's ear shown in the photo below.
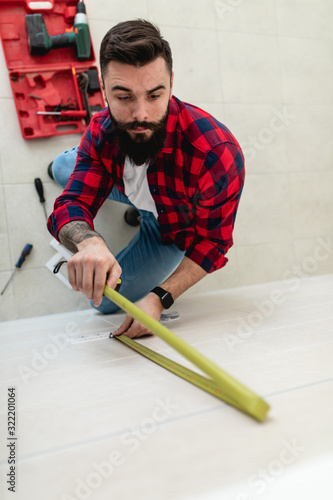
(171, 83)
(103, 90)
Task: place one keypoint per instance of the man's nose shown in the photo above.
(139, 112)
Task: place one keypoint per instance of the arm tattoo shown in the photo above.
(74, 232)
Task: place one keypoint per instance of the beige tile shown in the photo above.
(188, 13)
(1, 177)
(262, 217)
(262, 131)
(256, 17)
(226, 277)
(249, 68)
(314, 256)
(7, 300)
(307, 71)
(260, 263)
(39, 292)
(27, 224)
(99, 10)
(304, 19)
(216, 109)
(315, 154)
(312, 204)
(5, 263)
(195, 55)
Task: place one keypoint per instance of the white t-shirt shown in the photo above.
(136, 186)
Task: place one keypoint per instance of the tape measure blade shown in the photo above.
(185, 373)
(251, 403)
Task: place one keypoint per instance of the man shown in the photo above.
(181, 168)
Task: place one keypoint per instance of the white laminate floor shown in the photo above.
(94, 420)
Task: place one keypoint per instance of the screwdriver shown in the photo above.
(40, 191)
(74, 113)
(25, 252)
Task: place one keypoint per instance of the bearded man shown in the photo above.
(181, 168)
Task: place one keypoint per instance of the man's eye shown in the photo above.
(154, 96)
(123, 98)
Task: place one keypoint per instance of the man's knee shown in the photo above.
(63, 166)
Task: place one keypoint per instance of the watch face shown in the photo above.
(167, 300)
(165, 297)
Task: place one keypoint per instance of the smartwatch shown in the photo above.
(166, 297)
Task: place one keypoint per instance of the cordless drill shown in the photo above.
(40, 42)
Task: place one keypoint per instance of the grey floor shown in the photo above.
(96, 420)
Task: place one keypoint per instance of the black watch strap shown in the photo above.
(166, 297)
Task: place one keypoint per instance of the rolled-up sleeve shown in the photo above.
(216, 199)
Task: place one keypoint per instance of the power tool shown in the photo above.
(40, 42)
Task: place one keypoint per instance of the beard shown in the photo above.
(140, 149)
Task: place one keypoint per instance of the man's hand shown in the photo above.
(151, 305)
(187, 274)
(92, 265)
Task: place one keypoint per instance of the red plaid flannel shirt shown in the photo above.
(195, 181)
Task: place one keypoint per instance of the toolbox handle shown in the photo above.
(40, 5)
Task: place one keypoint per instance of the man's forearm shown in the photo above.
(73, 233)
(187, 274)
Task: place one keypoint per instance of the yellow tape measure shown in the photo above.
(221, 384)
(204, 383)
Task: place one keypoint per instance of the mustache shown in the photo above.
(136, 124)
(140, 149)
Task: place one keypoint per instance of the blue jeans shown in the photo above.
(145, 262)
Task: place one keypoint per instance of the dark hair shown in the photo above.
(134, 42)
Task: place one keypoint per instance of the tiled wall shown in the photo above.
(262, 67)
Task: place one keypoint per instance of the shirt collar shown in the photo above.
(171, 126)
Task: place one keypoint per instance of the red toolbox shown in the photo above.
(50, 83)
